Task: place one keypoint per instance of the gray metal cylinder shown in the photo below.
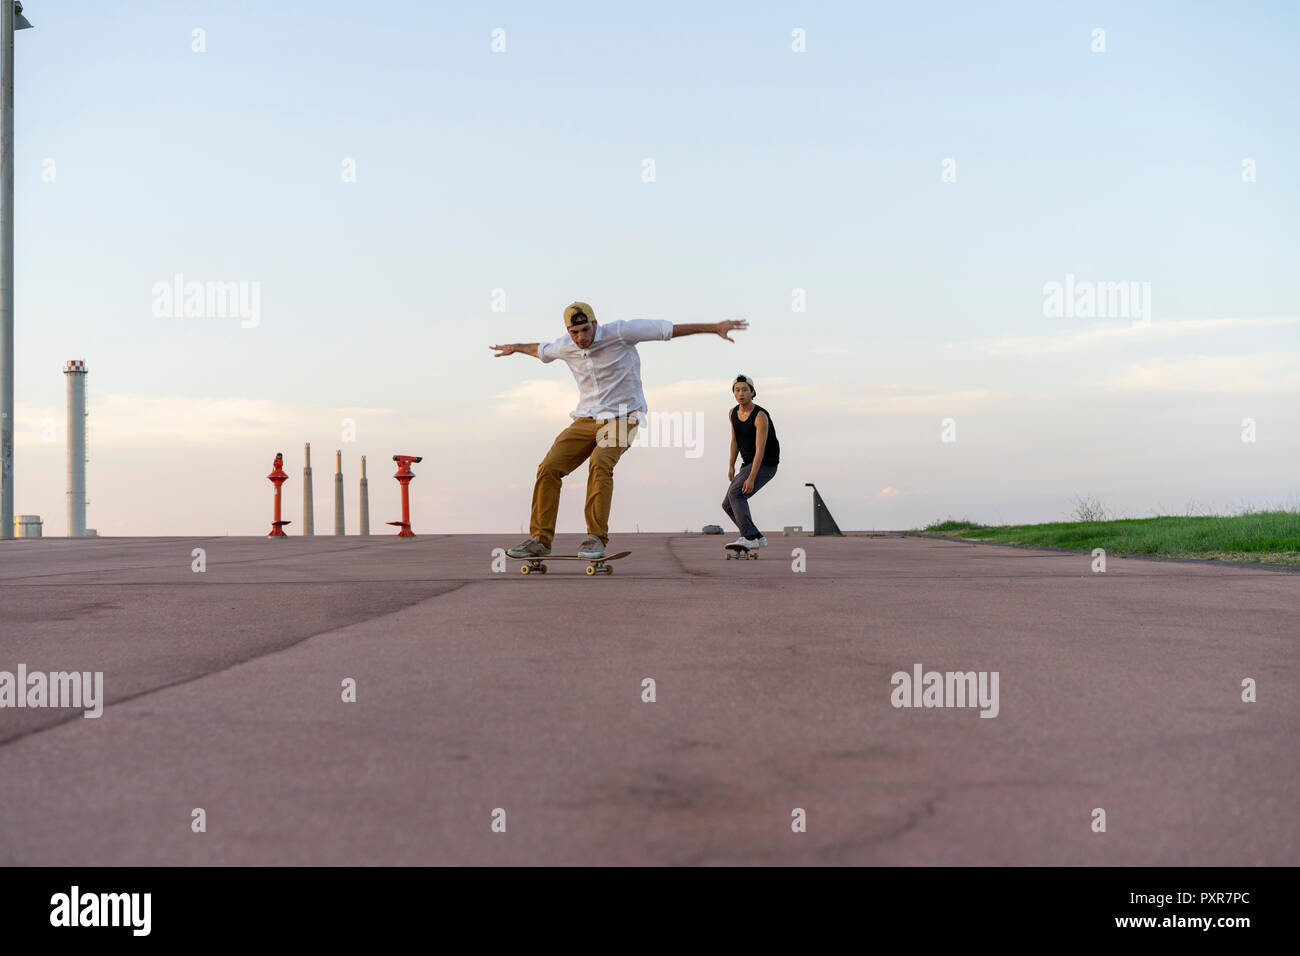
(308, 505)
(338, 492)
(76, 373)
(365, 499)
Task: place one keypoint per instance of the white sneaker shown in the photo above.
(759, 542)
(591, 547)
(742, 542)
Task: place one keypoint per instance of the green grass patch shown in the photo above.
(1270, 537)
(953, 526)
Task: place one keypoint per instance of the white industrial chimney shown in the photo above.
(76, 373)
(365, 499)
(338, 492)
(308, 505)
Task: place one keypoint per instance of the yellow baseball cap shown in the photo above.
(578, 314)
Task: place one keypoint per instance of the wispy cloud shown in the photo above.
(1261, 372)
(885, 399)
(550, 398)
(123, 419)
(1113, 335)
(839, 400)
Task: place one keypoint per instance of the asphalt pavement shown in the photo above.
(505, 719)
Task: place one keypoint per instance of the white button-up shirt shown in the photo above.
(608, 372)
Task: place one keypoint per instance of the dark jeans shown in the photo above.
(736, 505)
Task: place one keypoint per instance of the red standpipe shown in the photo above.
(404, 476)
(278, 477)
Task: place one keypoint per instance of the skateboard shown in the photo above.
(594, 566)
(740, 552)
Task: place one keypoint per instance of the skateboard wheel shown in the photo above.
(607, 570)
(591, 569)
(523, 569)
(541, 568)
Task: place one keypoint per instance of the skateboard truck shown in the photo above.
(404, 476)
(595, 566)
(538, 566)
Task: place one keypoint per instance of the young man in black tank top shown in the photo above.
(753, 436)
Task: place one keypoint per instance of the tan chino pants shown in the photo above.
(604, 443)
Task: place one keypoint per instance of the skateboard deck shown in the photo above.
(594, 565)
(740, 552)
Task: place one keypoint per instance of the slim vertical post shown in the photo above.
(75, 371)
(7, 272)
(338, 492)
(308, 504)
(365, 499)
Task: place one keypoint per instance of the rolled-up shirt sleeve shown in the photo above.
(549, 351)
(645, 330)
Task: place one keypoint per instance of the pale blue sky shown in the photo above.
(775, 170)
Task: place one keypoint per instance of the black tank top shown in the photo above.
(746, 433)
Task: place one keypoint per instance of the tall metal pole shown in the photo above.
(75, 371)
(308, 504)
(7, 273)
(365, 499)
(338, 492)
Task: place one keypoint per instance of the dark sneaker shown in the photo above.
(532, 548)
(591, 547)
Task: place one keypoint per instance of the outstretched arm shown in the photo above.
(717, 328)
(528, 348)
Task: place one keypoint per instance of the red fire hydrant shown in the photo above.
(404, 476)
(278, 477)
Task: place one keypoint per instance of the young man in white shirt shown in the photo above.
(605, 364)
